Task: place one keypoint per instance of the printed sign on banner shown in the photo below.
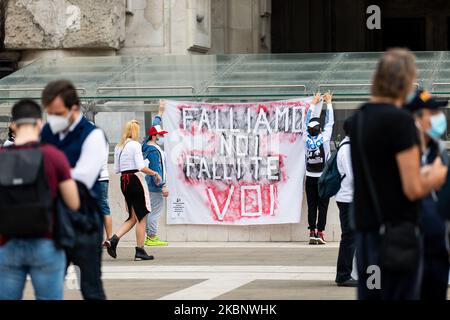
(237, 164)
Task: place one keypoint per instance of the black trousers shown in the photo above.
(435, 278)
(347, 245)
(89, 259)
(317, 206)
(392, 285)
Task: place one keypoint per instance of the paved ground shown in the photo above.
(221, 271)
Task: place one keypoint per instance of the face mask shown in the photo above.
(438, 126)
(314, 131)
(410, 97)
(160, 141)
(58, 123)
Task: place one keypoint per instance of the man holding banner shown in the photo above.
(317, 145)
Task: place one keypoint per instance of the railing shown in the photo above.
(99, 89)
(83, 90)
(257, 86)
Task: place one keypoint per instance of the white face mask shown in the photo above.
(58, 123)
(160, 141)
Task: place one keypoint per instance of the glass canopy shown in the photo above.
(348, 75)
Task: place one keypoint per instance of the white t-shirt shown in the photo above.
(344, 164)
(325, 137)
(104, 174)
(128, 157)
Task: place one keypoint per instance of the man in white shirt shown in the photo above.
(344, 198)
(317, 148)
(85, 147)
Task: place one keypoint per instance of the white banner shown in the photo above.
(237, 164)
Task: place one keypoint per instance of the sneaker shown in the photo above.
(154, 242)
(312, 237)
(321, 237)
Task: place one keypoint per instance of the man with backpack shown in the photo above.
(85, 146)
(31, 177)
(344, 198)
(317, 148)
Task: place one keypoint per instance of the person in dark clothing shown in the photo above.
(431, 124)
(344, 198)
(385, 151)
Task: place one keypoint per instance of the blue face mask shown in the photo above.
(410, 97)
(438, 126)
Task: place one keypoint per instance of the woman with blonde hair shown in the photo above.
(128, 161)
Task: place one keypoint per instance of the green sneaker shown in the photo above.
(154, 242)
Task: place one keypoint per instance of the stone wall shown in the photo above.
(53, 24)
(240, 26)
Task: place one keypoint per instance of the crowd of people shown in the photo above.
(391, 187)
(62, 168)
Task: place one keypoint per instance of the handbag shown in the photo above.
(400, 245)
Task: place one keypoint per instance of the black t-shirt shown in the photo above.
(387, 130)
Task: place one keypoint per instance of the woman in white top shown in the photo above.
(128, 161)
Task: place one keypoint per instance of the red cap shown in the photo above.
(156, 130)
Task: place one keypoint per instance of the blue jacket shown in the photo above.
(152, 154)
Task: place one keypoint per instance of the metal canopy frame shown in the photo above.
(218, 77)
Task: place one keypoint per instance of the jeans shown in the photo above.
(393, 285)
(315, 203)
(89, 259)
(347, 245)
(156, 202)
(102, 193)
(38, 258)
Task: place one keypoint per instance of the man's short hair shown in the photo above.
(394, 74)
(26, 111)
(61, 88)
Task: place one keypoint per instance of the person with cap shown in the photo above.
(152, 151)
(317, 148)
(129, 162)
(432, 124)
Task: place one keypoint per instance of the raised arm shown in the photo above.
(329, 116)
(158, 118)
(314, 109)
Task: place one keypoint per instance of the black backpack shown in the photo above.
(26, 203)
(330, 180)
